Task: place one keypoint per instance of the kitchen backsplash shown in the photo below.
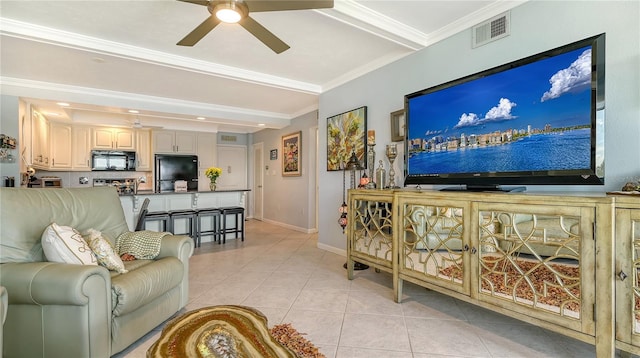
(72, 179)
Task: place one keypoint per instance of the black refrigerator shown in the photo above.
(170, 168)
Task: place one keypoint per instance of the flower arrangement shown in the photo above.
(213, 173)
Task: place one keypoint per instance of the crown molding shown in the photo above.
(353, 14)
(359, 16)
(94, 96)
(476, 17)
(18, 29)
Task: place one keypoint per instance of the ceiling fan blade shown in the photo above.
(199, 32)
(197, 2)
(281, 5)
(264, 35)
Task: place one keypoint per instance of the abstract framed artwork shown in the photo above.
(291, 151)
(346, 134)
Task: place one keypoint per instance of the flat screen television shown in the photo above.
(537, 120)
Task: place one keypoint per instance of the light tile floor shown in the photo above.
(283, 274)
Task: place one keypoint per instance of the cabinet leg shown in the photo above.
(350, 263)
(397, 289)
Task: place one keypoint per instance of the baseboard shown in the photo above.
(290, 227)
(333, 249)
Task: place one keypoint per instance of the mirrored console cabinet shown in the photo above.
(566, 262)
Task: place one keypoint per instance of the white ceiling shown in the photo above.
(106, 57)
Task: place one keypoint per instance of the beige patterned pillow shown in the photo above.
(104, 251)
(64, 244)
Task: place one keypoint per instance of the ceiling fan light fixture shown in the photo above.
(229, 11)
(228, 15)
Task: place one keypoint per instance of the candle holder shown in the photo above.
(392, 153)
(371, 162)
(381, 175)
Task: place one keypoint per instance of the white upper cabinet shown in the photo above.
(60, 149)
(176, 142)
(143, 150)
(81, 148)
(112, 138)
(39, 141)
(207, 143)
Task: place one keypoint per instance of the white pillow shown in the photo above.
(104, 251)
(65, 245)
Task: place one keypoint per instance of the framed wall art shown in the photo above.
(273, 154)
(346, 133)
(291, 152)
(397, 126)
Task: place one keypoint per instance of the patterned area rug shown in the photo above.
(292, 339)
(230, 332)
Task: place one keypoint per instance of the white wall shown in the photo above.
(536, 26)
(9, 124)
(290, 200)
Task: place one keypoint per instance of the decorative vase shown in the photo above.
(212, 186)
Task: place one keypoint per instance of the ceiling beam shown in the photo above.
(47, 35)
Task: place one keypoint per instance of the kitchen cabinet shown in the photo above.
(206, 151)
(143, 150)
(60, 149)
(176, 142)
(39, 141)
(81, 148)
(112, 138)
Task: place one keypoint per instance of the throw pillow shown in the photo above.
(64, 244)
(104, 251)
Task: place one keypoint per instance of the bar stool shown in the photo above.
(189, 215)
(162, 216)
(143, 214)
(238, 213)
(214, 214)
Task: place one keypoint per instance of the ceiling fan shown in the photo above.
(137, 124)
(237, 11)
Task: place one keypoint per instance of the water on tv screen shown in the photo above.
(533, 121)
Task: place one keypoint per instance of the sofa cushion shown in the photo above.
(104, 251)
(145, 281)
(26, 212)
(64, 244)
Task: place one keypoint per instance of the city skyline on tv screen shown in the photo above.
(553, 91)
(535, 117)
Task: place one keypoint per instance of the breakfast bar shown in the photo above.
(174, 201)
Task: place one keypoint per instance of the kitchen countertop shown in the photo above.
(151, 192)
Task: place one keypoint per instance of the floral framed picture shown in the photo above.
(346, 135)
(291, 151)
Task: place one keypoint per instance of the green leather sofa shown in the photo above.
(65, 310)
(4, 302)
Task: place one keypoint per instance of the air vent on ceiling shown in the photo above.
(491, 30)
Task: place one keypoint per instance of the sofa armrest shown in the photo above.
(49, 302)
(4, 302)
(3, 313)
(49, 283)
(180, 246)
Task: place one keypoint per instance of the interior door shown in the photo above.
(258, 180)
(233, 162)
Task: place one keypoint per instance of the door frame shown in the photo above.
(257, 170)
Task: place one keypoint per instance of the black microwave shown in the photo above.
(113, 160)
